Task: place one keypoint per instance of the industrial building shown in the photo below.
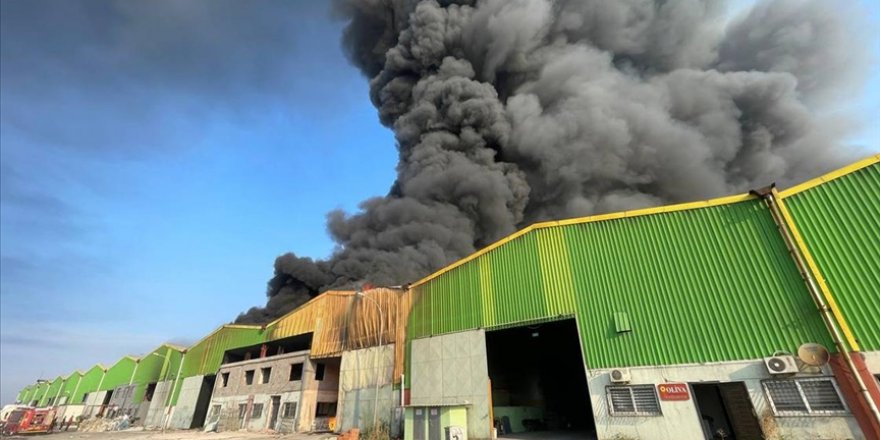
(750, 316)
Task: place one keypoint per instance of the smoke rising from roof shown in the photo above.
(510, 112)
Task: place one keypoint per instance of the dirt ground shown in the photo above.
(173, 435)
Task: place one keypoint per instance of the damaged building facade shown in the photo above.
(751, 316)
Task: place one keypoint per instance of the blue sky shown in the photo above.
(154, 167)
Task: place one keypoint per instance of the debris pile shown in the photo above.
(100, 424)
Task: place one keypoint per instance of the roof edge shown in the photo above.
(840, 172)
(590, 219)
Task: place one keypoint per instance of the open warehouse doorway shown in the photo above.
(538, 381)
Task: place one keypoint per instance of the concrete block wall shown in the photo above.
(223, 414)
(452, 369)
(681, 419)
(318, 391)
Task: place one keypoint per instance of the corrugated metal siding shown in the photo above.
(300, 321)
(206, 355)
(89, 384)
(699, 285)
(840, 222)
(52, 391)
(159, 365)
(118, 374)
(40, 392)
(23, 394)
(341, 320)
(70, 385)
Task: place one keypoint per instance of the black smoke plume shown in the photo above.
(508, 112)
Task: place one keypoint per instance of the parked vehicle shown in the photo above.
(29, 421)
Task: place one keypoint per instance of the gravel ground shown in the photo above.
(173, 435)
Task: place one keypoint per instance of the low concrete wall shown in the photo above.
(93, 403)
(186, 402)
(681, 419)
(67, 411)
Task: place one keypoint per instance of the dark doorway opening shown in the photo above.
(203, 401)
(151, 390)
(105, 402)
(538, 379)
(726, 411)
(273, 414)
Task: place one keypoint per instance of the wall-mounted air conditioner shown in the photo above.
(782, 364)
(619, 375)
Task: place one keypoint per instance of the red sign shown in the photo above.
(674, 391)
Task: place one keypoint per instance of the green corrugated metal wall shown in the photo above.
(24, 394)
(32, 394)
(70, 384)
(90, 381)
(41, 391)
(118, 374)
(52, 391)
(700, 285)
(206, 355)
(840, 223)
(158, 365)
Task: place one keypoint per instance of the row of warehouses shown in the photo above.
(751, 316)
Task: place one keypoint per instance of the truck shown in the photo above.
(29, 421)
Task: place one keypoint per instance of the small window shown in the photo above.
(242, 410)
(325, 409)
(296, 371)
(265, 374)
(633, 400)
(319, 371)
(249, 377)
(257, 411)
(215, 411)
(224, 379)
(793, 397)
(289, 410)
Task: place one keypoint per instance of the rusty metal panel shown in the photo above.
(345, 320)
(839, 221)
(299, 321)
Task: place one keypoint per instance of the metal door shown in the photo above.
(419, 423)
(435, 431)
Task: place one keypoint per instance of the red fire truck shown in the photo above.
(29, 421)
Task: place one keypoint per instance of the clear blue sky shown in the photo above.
(155, 161)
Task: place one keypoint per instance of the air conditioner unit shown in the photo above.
(781, 365)
(619, 375)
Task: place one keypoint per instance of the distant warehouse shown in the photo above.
(746, 317)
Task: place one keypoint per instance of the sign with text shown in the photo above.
(674, 391)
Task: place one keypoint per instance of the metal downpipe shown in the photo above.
(769, 195)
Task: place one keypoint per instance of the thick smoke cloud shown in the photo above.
(510, 112)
